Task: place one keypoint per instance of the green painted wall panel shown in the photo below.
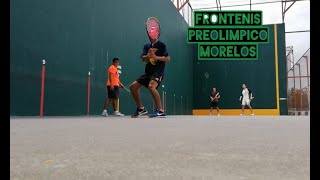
(75, 37)
(86, 38)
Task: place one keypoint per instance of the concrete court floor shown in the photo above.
(176, 147)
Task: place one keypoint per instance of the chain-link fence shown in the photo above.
(298, 75)
(185, 9)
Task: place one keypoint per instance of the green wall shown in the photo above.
(259, 75)
(77, 36)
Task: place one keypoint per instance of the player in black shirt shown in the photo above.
(214, 96)
(155, 55)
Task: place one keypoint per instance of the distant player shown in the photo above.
(246, 97)
(214, 96)
(113, 84)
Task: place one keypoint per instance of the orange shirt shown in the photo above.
(115, 76)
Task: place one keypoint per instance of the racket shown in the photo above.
(215, 96)
(153, 31)
(126, 89)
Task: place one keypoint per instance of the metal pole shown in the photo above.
(183, 5)
(174, 104)
(165, 101)
(88, 97)
(294, 87)
(181, 105)
(107, 58)
(308, 81)
(217, 5)
(300, 88)
(178, 5)
(187, 105)
(300, 76)
(307, 70)
(282, 11)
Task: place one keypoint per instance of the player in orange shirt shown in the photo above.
(113, 84)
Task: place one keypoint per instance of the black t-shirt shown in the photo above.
(155, 66)
(213, 94)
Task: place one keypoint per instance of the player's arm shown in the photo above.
(250, 94)
(218, 96)
(121, 85)
(162, 58)
(240, 97)
(145, 58)
(145, 55)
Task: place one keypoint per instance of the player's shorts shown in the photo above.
(214, 104)
(145, 79)
(245, 102)
(113, 94)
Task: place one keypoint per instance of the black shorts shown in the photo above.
(113, 94)
(214, 104)
(145, 79)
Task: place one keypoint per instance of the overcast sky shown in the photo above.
(296, 18)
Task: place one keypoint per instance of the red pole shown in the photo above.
(88, 100)
(307, 69)
(294, 80)
(178, 4)
(300, 88)
(42, 86)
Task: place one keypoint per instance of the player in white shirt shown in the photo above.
(246, 97)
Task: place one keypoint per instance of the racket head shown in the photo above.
(153, 28)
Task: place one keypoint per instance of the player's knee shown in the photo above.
(151, 87)
(133, 86)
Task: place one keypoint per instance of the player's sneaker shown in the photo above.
(117, 113)
(252, 114)
(209, 114)
(140, 112)
(104, 113)
(218, 114)
(241, 114)
(157, 113)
